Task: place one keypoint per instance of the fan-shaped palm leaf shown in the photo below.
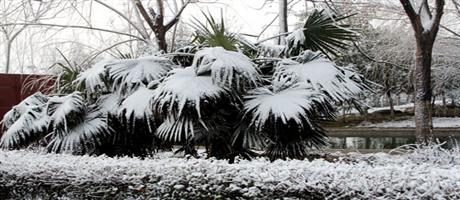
(287, 118)
(66, 111)
(228, 68)
(215, 35)
(94, 79)
(25, 123)
(184, 88)
(36, 100)
(84, 137)
(28, 128)
(127, 74)
(340, 84)
(321, 32)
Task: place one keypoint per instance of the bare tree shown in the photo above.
(426, 25)
(156, 21)
(21, 11)
(283, 22)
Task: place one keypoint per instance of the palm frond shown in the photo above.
(36, 100)
(228, 68)
(321, 32)
(296, 103)
(30, 127)
(215, 35)
(138, 106)
(176, 130)
(109, 103)
(127, 74)
(285, 119)
(184, 88)
(84, 137)
(94, 79)
(69, 71)
(66, 111)
(339, 83)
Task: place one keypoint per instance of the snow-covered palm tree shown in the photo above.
(223, 100)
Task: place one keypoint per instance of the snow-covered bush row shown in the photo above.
(423, 174)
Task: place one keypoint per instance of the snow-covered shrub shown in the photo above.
(222, 101)
(28, 175)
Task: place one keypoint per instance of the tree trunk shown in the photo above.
(283, 20)
(7, 56)
(161, 40)
(444, 104)
(423, 93)
(391, 104)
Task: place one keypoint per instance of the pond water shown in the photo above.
(383, 142)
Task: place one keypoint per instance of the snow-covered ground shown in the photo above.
(423, 174)
(439, 122)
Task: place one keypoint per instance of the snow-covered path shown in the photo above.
(432, 174)
(438, 122)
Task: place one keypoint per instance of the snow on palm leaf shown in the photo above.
(83, 137)
(37, 99)
(108, 103)
(184, 88)
(25, 123)
(228, 68)
(127, 73)
(94, 77)
(188, 102)
(66, 111)
(286, 116)
(138, 106)
(340, 84)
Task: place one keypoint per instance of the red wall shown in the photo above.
(16, 87)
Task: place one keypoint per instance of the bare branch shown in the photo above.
(145, 35)
(74, 26)
(144, 14)
(413, 17)
(176, 17)
(438, 11)
(450, 30)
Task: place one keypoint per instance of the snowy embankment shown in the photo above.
(438, 122)
(426, 173)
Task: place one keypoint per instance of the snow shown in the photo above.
(438, 122)
(421, 174)
(30, 124)
(60, 108)
(323, 75)
(25, 120)
(226, 66)
(108, 103)
(296, 103)
(296, 38)
(182, 87)
(138, 104)
(83, 137)
(271, 50)
(92, 78)
(144, 69)
(37, 99)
